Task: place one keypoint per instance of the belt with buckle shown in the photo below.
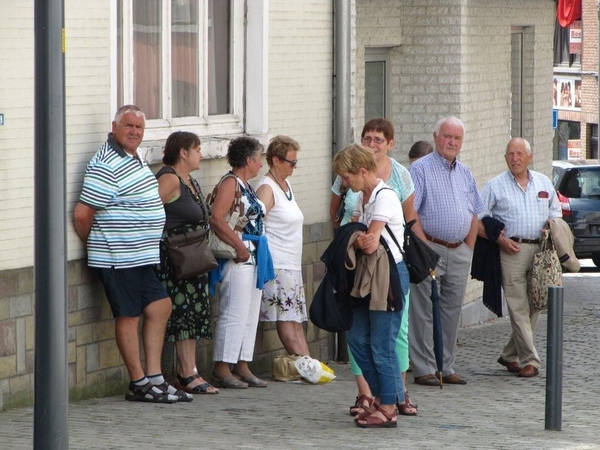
(525, 241)
(444, 243)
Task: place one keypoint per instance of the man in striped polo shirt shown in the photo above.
(523, 200)
(120, 218)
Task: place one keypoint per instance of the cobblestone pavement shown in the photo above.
(496, 410)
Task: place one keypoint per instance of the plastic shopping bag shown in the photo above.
(313, 370)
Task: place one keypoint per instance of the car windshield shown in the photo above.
(583, 182)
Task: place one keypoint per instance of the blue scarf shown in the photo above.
(264, 264)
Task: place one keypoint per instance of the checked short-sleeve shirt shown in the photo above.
(446, 197)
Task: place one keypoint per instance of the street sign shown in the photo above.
(554, 119)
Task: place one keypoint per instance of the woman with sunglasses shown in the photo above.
(378, 135)
(283, 299)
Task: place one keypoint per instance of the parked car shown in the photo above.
(577, 184)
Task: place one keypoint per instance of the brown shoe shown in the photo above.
(454, 379)
(427, 380)
(529, 371)
(512, 367)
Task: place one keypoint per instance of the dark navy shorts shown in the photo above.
(130, 290)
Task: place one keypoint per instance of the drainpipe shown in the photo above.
(342, 131)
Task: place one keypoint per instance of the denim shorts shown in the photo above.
(130, 290)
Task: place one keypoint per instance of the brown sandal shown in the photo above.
(407, 408)
(362, 404)
(372, 421)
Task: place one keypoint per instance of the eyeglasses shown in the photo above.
(377, 140)
(292, 163)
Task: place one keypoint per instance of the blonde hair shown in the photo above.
(279, 147)
(353, 158)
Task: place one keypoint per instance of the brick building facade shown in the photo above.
(489, 63)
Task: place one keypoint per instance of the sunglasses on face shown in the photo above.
(291, 163)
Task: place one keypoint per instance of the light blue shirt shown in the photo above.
(400, 181)
(523, 212)
(446, 197)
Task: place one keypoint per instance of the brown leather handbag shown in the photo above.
(189, 255)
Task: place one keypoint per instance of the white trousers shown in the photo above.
(239, 307)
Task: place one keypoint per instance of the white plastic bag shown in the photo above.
(313, 370)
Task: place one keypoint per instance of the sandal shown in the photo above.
(181, 396)
(367, 412)
(204, 388)
(147, 393)
(407, 408)
(361, 404)
(374, 421)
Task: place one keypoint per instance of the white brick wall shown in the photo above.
(16, 135)
(300, 95)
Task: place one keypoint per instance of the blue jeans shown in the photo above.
(372, 341)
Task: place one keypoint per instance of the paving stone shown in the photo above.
(495, 410)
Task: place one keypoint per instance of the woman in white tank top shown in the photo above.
(283, 299)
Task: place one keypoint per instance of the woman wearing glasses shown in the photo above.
(378, 135)
(283, 298)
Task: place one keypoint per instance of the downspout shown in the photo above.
(342, 131)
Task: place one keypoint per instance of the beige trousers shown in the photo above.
(516, 279)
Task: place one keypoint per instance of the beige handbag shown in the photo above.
(235, 218)
(546, 271)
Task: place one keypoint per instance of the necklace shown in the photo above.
(188, 183)
(288, 192)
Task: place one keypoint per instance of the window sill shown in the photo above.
(213, 147)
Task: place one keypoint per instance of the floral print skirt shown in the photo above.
(283, 298)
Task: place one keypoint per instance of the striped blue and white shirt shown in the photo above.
(129, 217)
(523, 212)
(446, 197)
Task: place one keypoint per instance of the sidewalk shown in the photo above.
(496, 410)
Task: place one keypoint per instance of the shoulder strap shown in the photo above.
(237, 202)
(387, 227)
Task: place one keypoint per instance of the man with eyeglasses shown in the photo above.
(447, 202)
(120, 218)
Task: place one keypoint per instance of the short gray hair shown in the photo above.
(524, 141)
(451, 120)
(126, 109)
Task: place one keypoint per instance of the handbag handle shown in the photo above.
(237, 202)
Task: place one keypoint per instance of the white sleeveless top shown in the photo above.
(283, 227)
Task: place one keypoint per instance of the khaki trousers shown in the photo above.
(516, 279)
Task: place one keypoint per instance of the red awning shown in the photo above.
(568, 11)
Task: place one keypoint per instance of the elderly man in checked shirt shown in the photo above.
(523, 200)
(447, 203)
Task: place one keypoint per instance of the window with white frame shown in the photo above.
(182, 63)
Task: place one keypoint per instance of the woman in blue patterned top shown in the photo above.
(239, 298)
(378, 135)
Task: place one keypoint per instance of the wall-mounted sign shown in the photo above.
(566, 92)
(575, 38)
(574, 149)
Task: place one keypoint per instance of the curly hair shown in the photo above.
(242, 148)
